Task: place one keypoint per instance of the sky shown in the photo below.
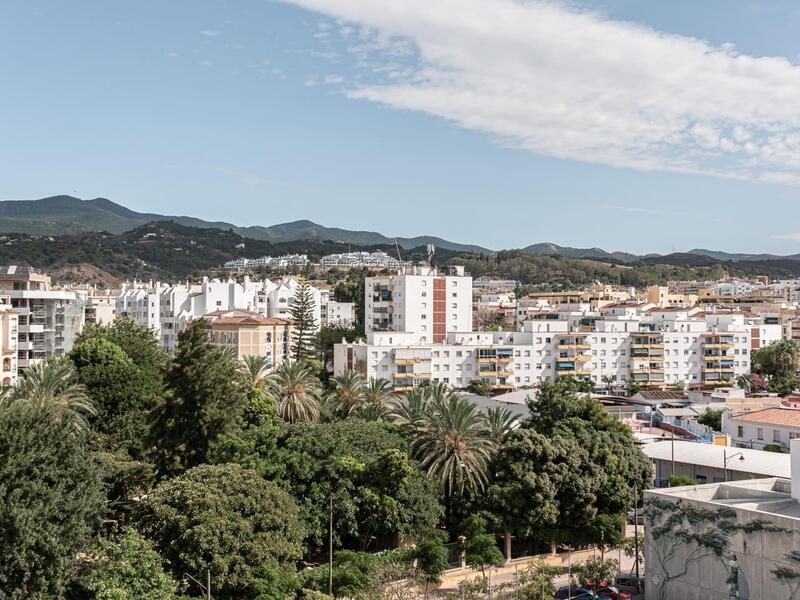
(636, 125)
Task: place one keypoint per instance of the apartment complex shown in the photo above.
(354, 260)
(47, 319)
(247, 333)
(419, 299)
(9, 330)
(167, 308)
(651, 346)
(276, 262)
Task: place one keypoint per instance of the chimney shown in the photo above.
(794, 449)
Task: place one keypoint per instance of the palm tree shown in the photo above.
(348, 392)
(499, 423)
(296, 391)
(255, 370)
(745, 382)
(786, 356)
(453, 445)
(53, 382)
(410, 411)
(609, 381)
(377, 396)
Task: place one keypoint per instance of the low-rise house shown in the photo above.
(773, 427)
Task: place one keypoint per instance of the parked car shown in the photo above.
(574, 592)
(629, 583)
(613, 593)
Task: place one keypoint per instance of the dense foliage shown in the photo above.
(226, 519)
(51, 498)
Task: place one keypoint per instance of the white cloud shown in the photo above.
(333, 79)
(209, 33)
(569, 83)
(205, 63)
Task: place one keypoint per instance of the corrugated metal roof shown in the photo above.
(757, 462)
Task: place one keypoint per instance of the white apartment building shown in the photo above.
(654, 347)
(287, 260)
(9, 330)
(167, 308)
(419, 299)
(47, 319)
(339, 314)
(350, 260)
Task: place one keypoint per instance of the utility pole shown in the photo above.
(208, 583)
(636, 532)
(330, 548)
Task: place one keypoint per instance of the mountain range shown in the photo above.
(68, 215)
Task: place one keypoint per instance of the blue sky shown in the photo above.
(644, 126)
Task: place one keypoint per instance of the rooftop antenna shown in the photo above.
(431, 251)
(397, 247)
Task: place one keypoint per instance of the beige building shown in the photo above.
(8, 342)
(661, 296)
(247, 333)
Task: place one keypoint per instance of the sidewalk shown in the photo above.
(506, 573)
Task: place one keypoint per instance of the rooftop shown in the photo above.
(771, 416)
(756, 462)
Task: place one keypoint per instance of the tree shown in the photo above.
(301, 312)
(453, 447)
(296, 391)
(634, 387)
(204, 399)
(608, 380)
(410, 412)
(377, 396)
(779, 359)
(224, 518)
(480, 387)
(348, 393)
(52, 383)
(596, 571)
(255, 370)
(126, 567)
(711, 418)
(118, 389)
(535, 490)
(500, 423)
(139, 342)
(480, 549)
(51, 497)
(430, 556)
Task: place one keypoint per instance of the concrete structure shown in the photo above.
(419, 300)
(724, 540)
(775, 426)
(48, 319)
(249, 334)
(100, 307)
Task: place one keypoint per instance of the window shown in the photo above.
(760, 433)
(455, 305)
(776, 435)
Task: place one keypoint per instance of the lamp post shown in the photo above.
(672, 444)
(206, 589)
(726, 458)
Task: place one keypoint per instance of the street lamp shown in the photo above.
(726, 458)
(672, 443)
(206, 589)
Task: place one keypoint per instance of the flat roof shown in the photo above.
(756, 462)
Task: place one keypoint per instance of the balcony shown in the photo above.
(718, 345)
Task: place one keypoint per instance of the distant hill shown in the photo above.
(549, 248)
(162, 250)
(60, 215)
